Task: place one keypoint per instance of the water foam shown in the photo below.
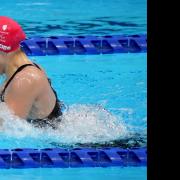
(80, 124)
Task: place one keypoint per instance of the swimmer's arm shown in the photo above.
(21, 96)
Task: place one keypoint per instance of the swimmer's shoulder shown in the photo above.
(29, 78)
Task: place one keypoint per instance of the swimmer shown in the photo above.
(26, 91)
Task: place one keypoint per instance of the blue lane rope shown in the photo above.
(77, 157)
(69, 45)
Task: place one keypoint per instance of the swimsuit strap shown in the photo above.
(37, 66)
(6, 85)
(49, 80)
(18, 70)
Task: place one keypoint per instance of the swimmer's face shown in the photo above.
(2, 62)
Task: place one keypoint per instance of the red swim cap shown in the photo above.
(11, 34)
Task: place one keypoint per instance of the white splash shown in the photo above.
(80, 124)
(90, 123)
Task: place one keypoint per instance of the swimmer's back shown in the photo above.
(31, 87)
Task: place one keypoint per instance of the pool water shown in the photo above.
(114, 82)
(105, 95)
(115, 173)
(80, 17)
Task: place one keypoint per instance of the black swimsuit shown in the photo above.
(53, 118)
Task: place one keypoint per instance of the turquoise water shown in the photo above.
(107, 92)
(115, 82)
(113, 173)
(80, 17)
(105, 95)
